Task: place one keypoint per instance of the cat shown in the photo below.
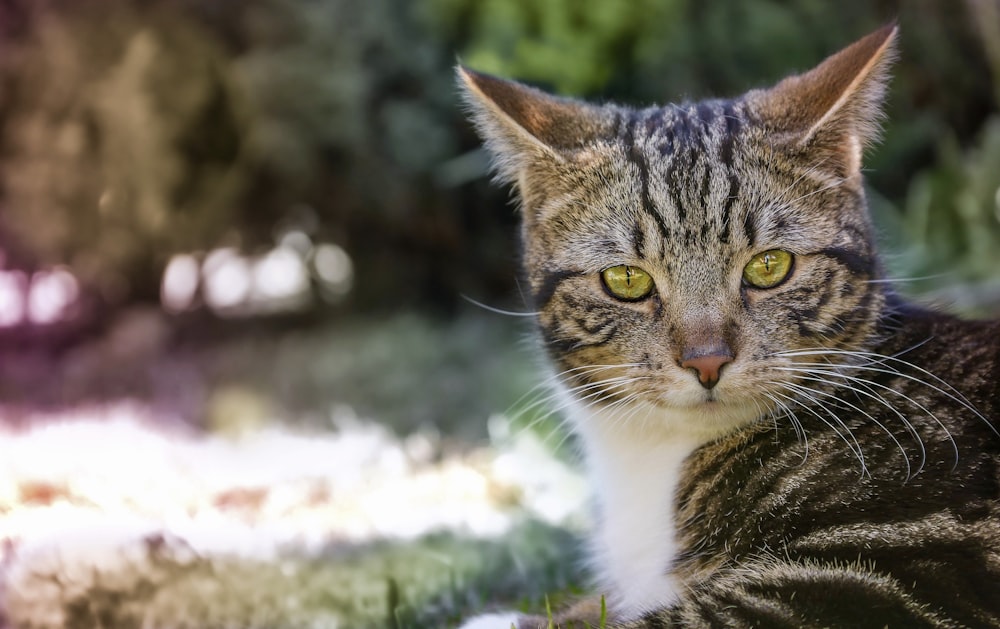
(774, 437)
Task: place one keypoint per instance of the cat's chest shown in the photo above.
(635, 476)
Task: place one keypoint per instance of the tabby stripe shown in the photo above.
(856, 262)
(639, 240)
(726, 153)
(749, 229)
(550, 282)
(657, 621)
(599, 328)
(635, 156)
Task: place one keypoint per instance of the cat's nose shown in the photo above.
(708, 367)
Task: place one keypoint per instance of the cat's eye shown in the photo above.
(626, 282)
(768, 269)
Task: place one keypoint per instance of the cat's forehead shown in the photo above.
(710, 127)
(680, 168)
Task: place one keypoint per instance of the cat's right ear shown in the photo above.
(833, 111)
(525, 128)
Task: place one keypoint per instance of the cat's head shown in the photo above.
(684, 259)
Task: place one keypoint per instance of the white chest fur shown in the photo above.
(635, 471)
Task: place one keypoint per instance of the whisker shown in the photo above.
(899, 445)
(909, 427)
(800, 431)
(867, 384)
(500, 311)
(949, 391)
(851, 443)
(903, 280)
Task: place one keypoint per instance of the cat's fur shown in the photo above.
(845, 469)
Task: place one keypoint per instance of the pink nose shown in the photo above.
(708, 367)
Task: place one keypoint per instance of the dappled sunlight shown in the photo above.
(281, 279)
(280, 276)
(333, 268)
(115, 476)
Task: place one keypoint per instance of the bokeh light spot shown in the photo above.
(280, 275)
(13, 286)
(51, 294)
(227, 279)
(333, 268)
(180, 283)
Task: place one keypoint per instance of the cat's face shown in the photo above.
(689, 259)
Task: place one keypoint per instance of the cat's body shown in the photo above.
(774, 439)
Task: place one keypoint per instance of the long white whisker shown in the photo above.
(852, 443)
(868, 384)
(800, 431)
(909, 427)
(494, 310)
(949, 391)
(906, 458)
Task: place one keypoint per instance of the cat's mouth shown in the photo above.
(721, 407)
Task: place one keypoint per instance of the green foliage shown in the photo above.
(951, 224)
(668, 49)
(577, 47)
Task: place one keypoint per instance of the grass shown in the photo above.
(433, 582)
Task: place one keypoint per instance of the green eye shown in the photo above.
(768, 269)
(628, 283)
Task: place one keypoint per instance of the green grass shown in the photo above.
(433, 582)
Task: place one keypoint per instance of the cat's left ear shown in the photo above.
(833, 111)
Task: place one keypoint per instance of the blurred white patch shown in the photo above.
(280, 275)
(333, 268)
(227, 279)
(51, 295)
(269, 490)
(13, 285)
(297, 240)
(549, 488)
(180, 283)
(100, 499)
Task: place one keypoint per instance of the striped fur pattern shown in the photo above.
(840, 466)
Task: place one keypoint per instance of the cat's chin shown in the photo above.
(699, 420)
(710, 419)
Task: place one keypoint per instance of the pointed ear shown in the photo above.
(835, 108)
(525, 127)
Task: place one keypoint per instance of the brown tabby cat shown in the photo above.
(774, 437)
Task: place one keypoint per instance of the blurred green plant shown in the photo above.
(949, 231)
(575, 47)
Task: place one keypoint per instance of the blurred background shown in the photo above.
(279, 202)
(239, 212)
